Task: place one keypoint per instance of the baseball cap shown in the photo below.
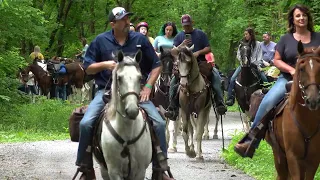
(118, 13)
(186, 20)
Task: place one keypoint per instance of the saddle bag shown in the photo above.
(255, 101)
(74, 122)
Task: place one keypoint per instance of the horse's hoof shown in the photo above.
(206, 137)
(215, 136)
(200, 159)
(172, 150)
(191, 154)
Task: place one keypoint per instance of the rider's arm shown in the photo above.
(278, 57)
(100, 66)
(281, 65)
(92, 60)
(154, 74)
(205, 41)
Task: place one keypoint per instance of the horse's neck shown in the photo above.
(37, 71)
(196, 80)
(247, 76)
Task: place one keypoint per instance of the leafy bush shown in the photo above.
(45, 119)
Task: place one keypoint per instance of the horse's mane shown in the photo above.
(184, 51)
(111, 112)
(295, 87)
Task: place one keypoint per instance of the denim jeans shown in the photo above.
(61, 92)
(271, 99)
(216, 84)
(94, 110)
(87, 124)
(234, 77)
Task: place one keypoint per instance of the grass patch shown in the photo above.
(234, 107)
(43, 120)
(260, 167)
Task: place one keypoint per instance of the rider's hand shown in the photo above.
(196, 54)
(145, 94)
(109, 65)
(265, 63)
(158, 54)
(292, 72)
(186, 42)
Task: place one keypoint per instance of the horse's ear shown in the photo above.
(138, 56)
(191, 48)
(120, 56)
(161, 49)
(300, 48)
(174, 51)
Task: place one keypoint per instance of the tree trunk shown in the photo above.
(92, 17)
(60, 47)
(58, 21)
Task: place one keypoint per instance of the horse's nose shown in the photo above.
(313, 105)
(132, 112)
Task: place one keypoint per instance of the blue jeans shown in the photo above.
(94, 110)
(271, 99)
(61, 92)
(216, 84)
(234, 77)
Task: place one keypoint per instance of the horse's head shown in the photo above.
(186, 62)
(126, 86)
(307, 76)
(245, 54)
(166, 59)
(24, 74)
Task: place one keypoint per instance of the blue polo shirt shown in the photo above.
(105, 47)
(199, 39)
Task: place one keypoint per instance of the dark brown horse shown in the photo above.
(42, 77)
(161, 94)
(247, 82)
(296, 130)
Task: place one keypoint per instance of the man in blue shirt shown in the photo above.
(201, 47)
(99, 61)
(268, 49)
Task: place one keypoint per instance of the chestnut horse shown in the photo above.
(296, 129)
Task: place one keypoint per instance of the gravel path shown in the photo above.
(46, 160)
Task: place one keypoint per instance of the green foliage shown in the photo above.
(261, 166)
(43, 120)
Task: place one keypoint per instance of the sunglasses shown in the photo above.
(120, 13)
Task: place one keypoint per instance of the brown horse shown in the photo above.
(42, 77)
(295, 137)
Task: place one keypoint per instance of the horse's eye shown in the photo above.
(302, 70)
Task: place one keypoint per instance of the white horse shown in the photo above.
(194, 97)
(130, 158)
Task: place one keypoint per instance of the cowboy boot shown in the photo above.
(230, 101)
(248, 144)
(86, 167)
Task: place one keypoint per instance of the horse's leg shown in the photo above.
(201, 122)
(296, 170)
(311, 170)
(206, 131)
(104, 173)
(172, 134)
(192, 124)
(141, 175)
(281, 165)
(185, 132)
(246, 123)
(215, 135)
